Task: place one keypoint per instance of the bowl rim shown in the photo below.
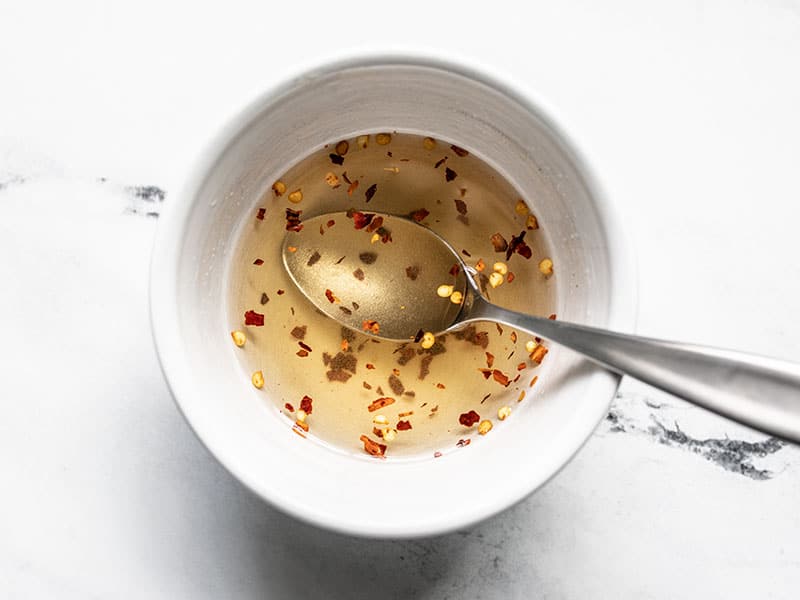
(166, 251)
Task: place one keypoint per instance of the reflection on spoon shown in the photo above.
(382, 279)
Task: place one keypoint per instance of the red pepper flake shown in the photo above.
(521, 366)
(454, 270)
(330, 223)
(366, 385)
(302, 425)
(462, 443)
(486, 397)
(352, 188)
(538, 354)
(302, 353)
(552, 317)
(485, 372)
(251, 317)
(460, 151)
(373, 448)
(513, 336)
(516, 379)
(489, 359)
(336, 159)
(258, 262)
(412, 272)
(280, 292)
(461, 206)
(420, 214)
(293, 220)
(376, 223)
(519, 246)
(346, 310)
(377, 432)
(440, 386)
(440, 162)
(305, 404)
(360, 219)
(437, 454)
(299, 332)
(499, 329)
(468, 419)
(305, 346)
(261, 213)
(417, 338)
(371, 191)
(510, 277)
(499, 243)
(264, 298)
(370, 366)
(371, 326)
(465, 253)
(379, 404)
(500, 377)
(406, 414)
(358, 274)
(403, 425)
(449, 174)
(368, 258)
(288, 407)
(533, 381)
(329, 295)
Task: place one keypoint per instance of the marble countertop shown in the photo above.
(687, 109)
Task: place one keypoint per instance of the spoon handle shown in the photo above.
(758, 391)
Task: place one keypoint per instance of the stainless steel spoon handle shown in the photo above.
(757, 391)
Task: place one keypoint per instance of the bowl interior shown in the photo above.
(191, 323)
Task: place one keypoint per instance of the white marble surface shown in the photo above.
(688, 109)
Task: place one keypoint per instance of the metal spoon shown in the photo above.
(366, 285)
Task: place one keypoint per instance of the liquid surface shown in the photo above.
(426, 398)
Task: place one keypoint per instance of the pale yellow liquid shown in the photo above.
(454, 384)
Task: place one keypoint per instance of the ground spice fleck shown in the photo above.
(358, 274)
(412, 272)
(313, 259)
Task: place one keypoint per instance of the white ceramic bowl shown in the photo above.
(195, 242)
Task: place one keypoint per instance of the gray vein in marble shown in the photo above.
(9, 180)
(733, 455)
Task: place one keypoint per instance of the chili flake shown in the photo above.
(460, 151)
(380, 403)
(288, 407)
(336, 159)
(260, 214)
(489, 359)
(302, 353)
(449, 174)
(368, 258)
(238, 338)
(258, 379)
(403, 425)
(531, 222)
(352, 187)
(533, 381)
(293, 219)
(519, 246)
(440, 162)
(342, 148)
(360, 219)
(412, 272)
(251, 317)
(429, 143)
(538, 354)
(370, 325)
(302, 425)
(305, 404)
(500, 377)
(468, 419)
(485, 427)
(419, 214)
(264, 298)
(461, 206)
(329, 295)
(305, 346)
(296, 196)
(371, 191)
(279, 188)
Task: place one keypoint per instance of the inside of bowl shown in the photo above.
(352, 493)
